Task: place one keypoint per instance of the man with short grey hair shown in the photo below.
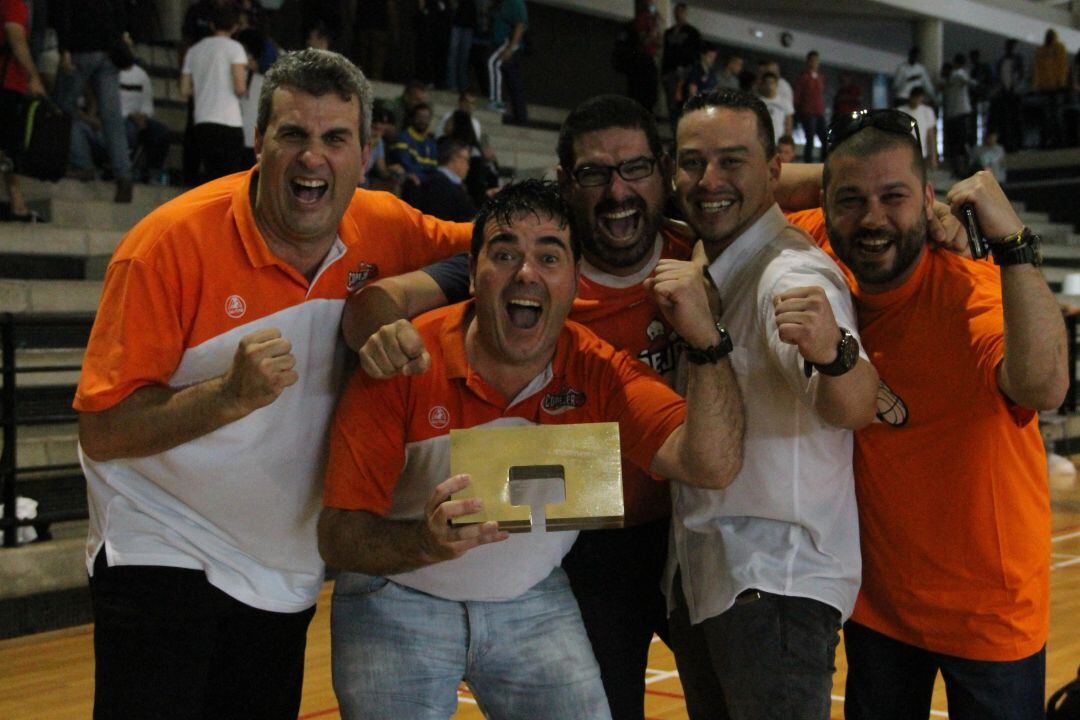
(206, 395)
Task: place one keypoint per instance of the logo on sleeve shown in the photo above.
(359, 277)
(235, 307)
(563, 401)
(439, 417)
(891, 408)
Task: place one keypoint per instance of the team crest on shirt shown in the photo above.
(891, 408)
(439, 417)
(235, 307)
(662, 349)
(359, 277)
(559, 402)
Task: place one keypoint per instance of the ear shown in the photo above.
(774, 170)
(562, 176)
(928, 200)
(472, 275)
(258, 145)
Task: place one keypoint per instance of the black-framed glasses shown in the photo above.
(893, 121)
(633, 169)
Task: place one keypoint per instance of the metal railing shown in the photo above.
(57, 483)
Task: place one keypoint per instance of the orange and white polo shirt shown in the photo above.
(389, 463)
(183, 287)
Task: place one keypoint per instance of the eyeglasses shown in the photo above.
(892, 121)
(596, 175)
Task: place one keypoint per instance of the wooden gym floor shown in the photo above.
(51, 676)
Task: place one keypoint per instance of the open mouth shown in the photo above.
(873, 244)
(308, 190)
(524, 314)
(621, 224)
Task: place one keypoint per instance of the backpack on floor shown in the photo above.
(1065, 703)
(45, 141)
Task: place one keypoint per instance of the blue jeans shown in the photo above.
(767, 657)
(457, 60)
(891, 680)
(399, 653)
(98, 70)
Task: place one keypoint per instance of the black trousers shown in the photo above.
(615, 575)
(221, 149)
(170, 646)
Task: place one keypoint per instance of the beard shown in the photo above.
(605, 255)
(868, 267)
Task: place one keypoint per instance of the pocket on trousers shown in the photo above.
(356, 585)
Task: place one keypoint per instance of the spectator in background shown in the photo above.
(215, 74)
(785, 148)
(147, 136)
(848, 98)
(682, 46)
(433, 20)
(379, 173)
(924, 115)
(989, 156)
(909, 75)
(1051, 81)
(372, 30)
(509, 19)
(414, 150)
(780, 109)
(462, 28)
(783, 87)
(957, 111)
(1006, 99)
(318, 36)
(20, 77)
(810, 104)
(443, 194)
(466, 104)
(982, 78)
(253, 43)
(415, 93)
(728, 77)
(703, 76)
(87, 32)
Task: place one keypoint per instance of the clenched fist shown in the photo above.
(805, 318)
(262, 368)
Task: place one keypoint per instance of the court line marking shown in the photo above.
(1066, 536)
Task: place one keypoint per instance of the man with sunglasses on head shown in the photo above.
(955, 534)
(761, 575)
(614, 176)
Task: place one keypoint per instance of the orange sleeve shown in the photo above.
(367, 444)
(420, 239)
(647, 410)
(986, 320)
(137, 337)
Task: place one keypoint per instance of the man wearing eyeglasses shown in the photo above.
(953, 503)
(761, 575)
(613, 173)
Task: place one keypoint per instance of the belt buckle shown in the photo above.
(748, 596)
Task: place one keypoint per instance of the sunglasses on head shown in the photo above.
(892, 121)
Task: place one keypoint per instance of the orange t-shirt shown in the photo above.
(954, 510)
(197, 267)
(623, 314)
(590, 382)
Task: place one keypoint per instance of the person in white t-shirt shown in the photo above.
(146, 135)
(917, 108)
(215, 71)
(780, 108)
(253, 43)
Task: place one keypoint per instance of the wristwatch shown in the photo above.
(1020, 248)
(714, 354)
(847, 354)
